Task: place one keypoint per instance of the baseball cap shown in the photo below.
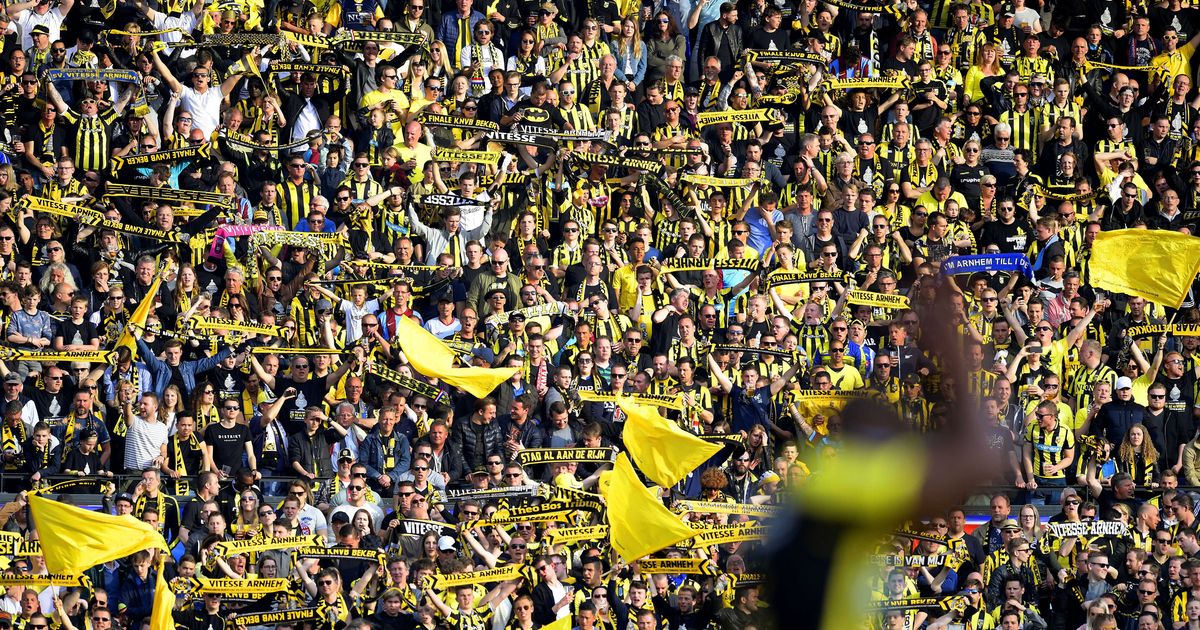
(13, 377)
(324, 305)
(1124, 383)
(1010, 523)
(345, 454)
(446, 543)
(912, 379)
(40, 29)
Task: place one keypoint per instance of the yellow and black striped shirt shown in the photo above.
(91, 149)
(1049, 447)
(294, 200)
(1024, 128)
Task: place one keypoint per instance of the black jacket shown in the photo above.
(323, 102)
(476, 441)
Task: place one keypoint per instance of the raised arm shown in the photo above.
(170, 79)
(778, 384)
(1080, 329)
(56, 99)
(722, 380)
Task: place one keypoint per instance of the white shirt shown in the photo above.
(306, 121)
(205, 108)
(51, 19)
(472, 216)
(440, 330)
(354, 316)
(185, 22)
(312, 521)
(558, 591)
(143, 443)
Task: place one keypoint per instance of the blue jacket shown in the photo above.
(639, 64)
(448, 32)
(188, 369)
(371, 453)
(136, 594)
(1116, 418)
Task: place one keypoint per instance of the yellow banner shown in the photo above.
(740, 533)
(672, 401)
(567, 535)
(216, 323)
(704, 119)
(870, 298)
(230, 586)
(30, 580)
(62, 356)
(897, 83)
(254, 545)
(663, 452)
(714, 507)
(673, 566)
(507, 572)
(433, 358)
(1177, 330)
(704, 264)
(720, 182)
(490, 158)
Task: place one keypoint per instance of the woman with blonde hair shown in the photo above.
(413, 80)
(246, 524)
(8, 179)
(630, 51)
(1030, 522)
(439, 60)
(986, 65)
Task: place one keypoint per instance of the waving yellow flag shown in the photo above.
(435, 359)
(74, 539)
(1158, 265)
(138, 318)
(164, 599)
(662, 451)
(638, 523)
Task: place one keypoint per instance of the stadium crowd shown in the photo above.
(221, 222)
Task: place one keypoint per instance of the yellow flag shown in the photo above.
(164, 599)
(662, 451)
(138, 318)
(74, 539)
(1158, 265)
(638, 523)
(435, 359)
